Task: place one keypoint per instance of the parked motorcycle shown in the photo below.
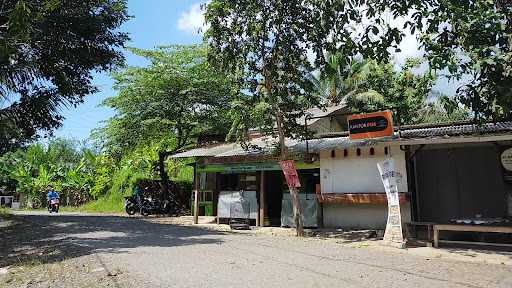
(54, 205)
(155, 206)
(131, 206)
(150, 206)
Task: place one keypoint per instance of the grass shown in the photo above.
(107, 204)
(111, 203)
(4, 213)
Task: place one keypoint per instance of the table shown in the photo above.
(470, 228)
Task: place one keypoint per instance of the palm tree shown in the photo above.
(329, 83)
(343, 79)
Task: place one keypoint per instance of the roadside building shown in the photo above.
(454, 173)
(352, 193)
(235, 182)
(454, 177)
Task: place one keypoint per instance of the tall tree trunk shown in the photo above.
(334, 98)
(163, 175)
(294, 192)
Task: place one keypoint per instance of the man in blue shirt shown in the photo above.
(137, 194)
(51, 194)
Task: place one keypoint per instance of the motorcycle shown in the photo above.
(54, 205)
(154, 206)
(131, 206)
(148, 206)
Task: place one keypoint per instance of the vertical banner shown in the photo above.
(393, 234)
(290, 173)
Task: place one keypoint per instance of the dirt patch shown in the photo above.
(30, 258)
(76, 272)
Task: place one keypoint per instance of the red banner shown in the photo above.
(290, 173)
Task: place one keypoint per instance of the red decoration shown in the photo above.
(290, 173)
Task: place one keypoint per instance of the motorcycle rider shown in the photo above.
(137, 194)
(51, 195)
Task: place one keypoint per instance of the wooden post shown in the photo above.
(258, 179)
(436, 237)
(196, 196)
(262, 200)
(297, 214)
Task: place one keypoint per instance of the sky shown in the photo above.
(163, 22)
(154, 23)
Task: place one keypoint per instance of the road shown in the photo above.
(144, 254)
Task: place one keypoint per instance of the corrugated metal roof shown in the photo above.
(257, 146)
(207, 151)
(264, 145)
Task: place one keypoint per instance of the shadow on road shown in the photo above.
(48, 239)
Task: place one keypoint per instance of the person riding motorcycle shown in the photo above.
(137, 195)
(51, 195)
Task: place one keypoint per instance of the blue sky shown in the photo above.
(155, 22)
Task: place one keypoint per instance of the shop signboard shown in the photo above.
(389, 177)
(252, 167)
(290, 173)
(506, 163)
(371, 125)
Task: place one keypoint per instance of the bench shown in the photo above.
(469, 228)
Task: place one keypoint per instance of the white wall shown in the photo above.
(358, 174)
(361, 216)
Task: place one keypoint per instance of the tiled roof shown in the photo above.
(424, 132)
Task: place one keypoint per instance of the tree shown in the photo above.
(266, 43)
(377, 86)
(48, 51)
(471, 40)
(172, 101)
(367, 85)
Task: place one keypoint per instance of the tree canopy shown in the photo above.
(174, 99)
(470, 40)
(48, 52)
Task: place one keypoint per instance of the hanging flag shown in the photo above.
(290, 173)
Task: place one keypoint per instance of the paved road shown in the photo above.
(159, 255)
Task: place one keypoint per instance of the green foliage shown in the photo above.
(171, 101)
(377, 86)
(48, 51)
(265, 44)
(61, 164)
(471, 40)
(367, 85)
(444, 110)
(112, 202)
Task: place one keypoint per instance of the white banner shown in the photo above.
(389, 178)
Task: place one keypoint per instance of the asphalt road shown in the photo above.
(160, 255)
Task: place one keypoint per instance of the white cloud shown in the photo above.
(192, 20)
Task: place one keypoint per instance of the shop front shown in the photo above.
(255, 191)
(352, 193)
(465, 188)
